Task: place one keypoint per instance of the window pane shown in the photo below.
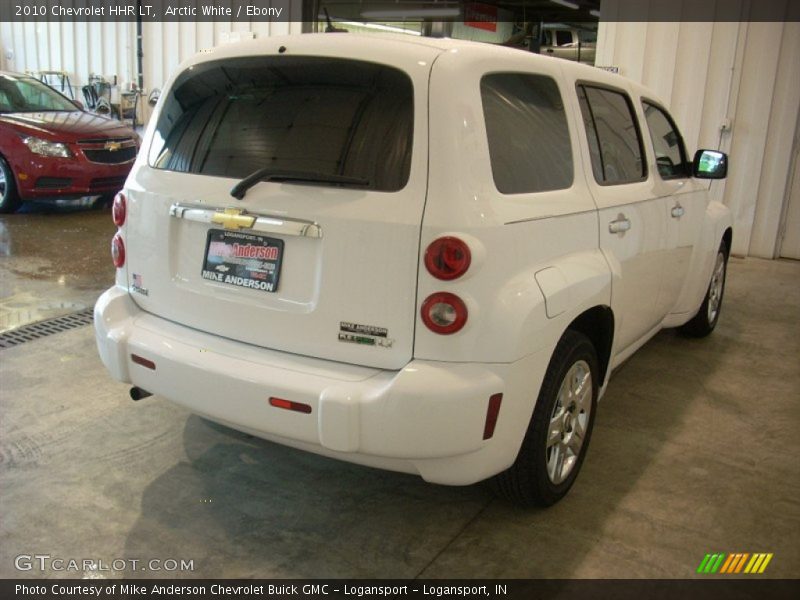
(667, 145)
(563, 38)
(591, 135)
(318, 116)
(24, 94)
(619, 156)
(526, 126)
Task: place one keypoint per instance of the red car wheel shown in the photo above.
(9, 200)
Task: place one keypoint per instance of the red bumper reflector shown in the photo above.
(143, 361)
(491, 415)
(289, 405)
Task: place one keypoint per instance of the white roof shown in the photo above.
(375, 44)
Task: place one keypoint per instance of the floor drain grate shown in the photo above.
(34, 331)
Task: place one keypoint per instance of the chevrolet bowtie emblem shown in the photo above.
(113, 146)
(233, 218)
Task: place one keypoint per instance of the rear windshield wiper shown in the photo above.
(269, 174)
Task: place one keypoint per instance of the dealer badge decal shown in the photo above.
(367, 335)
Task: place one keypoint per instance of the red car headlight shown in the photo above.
(46, 148)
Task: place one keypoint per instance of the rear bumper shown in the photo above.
(427, 418)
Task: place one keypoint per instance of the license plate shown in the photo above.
(243, 259)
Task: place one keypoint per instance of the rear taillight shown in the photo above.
(117, 250)
(118, 209)
(444, 313)
(447, 258)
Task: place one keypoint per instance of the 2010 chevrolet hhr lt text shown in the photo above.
(423, 255)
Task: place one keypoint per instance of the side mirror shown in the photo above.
(79, 104)
(710, 164)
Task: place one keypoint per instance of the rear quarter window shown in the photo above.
(526, 127)
(324, 116)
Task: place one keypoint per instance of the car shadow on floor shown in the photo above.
(63, 206)
(243, 507)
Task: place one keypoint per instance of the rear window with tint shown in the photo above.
(526, 125)
(321, 116)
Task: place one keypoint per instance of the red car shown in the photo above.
(51, 148)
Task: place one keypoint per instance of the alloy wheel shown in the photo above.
(716, 287)
(569, 422)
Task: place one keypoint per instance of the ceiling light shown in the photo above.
(566, 3)
(377, 26)
(420, 13)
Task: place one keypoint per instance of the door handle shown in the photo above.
(677, 211)
(620, 225)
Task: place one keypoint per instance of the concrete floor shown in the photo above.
(54, 260)
(695, 450)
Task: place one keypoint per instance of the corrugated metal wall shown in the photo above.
(80, 49)
(711, 74)
(109, 49)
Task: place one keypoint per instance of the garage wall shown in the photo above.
(77, 48)
(730, 85)
(109, 49)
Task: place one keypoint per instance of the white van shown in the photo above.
(423, 255)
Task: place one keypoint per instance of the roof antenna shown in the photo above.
(329, 28)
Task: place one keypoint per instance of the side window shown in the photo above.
(667, 143)
(526, 127)
(615, 142)
(563, 38)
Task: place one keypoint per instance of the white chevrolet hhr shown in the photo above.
(423, 255)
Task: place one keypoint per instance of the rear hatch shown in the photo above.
(319, 257)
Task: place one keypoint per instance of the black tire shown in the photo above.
(704, 322)
(527, 482)
(102, 202)
(9, 198)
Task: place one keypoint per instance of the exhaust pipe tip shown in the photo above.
(138, 393)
